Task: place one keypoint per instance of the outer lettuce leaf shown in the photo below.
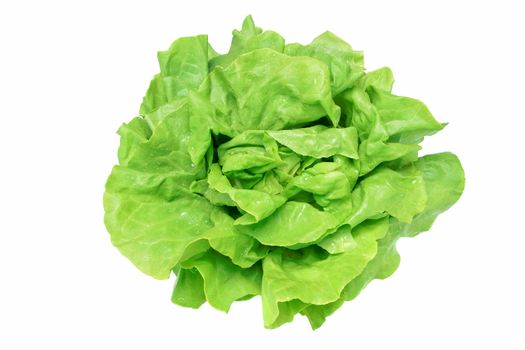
(225, 282)
(372, 154)
(400, 194)
(287, 312)
(153, 219)
(346, 65)
(155, 233)
(374, 148)
(249, 38)
(389, 126)
(403, 115)
(381, 266)
(444, 183)
(343, 239)
(182, 68)
(290, 275)
(266, 90)
(380, 79)
(189, 289)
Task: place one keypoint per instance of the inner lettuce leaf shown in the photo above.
(281, 170)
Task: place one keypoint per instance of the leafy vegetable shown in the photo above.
(285, 171)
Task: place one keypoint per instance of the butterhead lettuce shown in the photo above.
(281, 170)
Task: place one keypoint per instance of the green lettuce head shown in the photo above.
(280, 170)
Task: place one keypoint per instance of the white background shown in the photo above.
(71, 72)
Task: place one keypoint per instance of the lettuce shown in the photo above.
(285, 171)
